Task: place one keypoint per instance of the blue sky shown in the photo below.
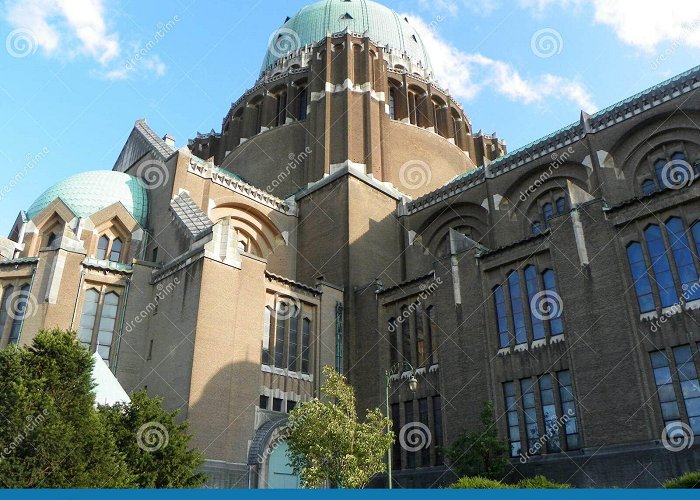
(522, 68)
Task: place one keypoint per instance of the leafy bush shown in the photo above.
(686, 481)
(478, 483)
(540, 483)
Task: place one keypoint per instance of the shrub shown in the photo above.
(686, 481)
(541, 483)
(478, 483)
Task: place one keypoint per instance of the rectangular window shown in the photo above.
(276, 404)
(279, 335)
(264, 400)
(291, 405)
(410, 455)
(690, 388)
(423, 416)
(268, 332)
(512, 418)
(529, 412)
(664, 387)
(293, 340)
(549, 413)
(108, 321)
(568, 410)
(305, 345)
(437, 430)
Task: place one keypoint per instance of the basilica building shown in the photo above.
(346, 213)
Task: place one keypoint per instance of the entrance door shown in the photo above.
(280, 474)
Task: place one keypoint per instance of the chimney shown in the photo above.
(169, 140)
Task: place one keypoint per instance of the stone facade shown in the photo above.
(346, 214)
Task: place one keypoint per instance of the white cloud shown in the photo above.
(146, 66)
(453, 7)
(66, 27)
(466, 75)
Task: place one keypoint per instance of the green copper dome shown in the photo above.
(313, 22)
(90, 192)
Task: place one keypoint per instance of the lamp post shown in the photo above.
(412, 385)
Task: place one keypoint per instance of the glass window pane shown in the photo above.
(663, 376)
(87, 320)
(516, 305)
(533, 288)
(692, 406)
(660, 265)
(102, 246)
(669, 411)
(695, 425)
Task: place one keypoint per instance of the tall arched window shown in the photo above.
(516, 307)
(430, 336)
(108, 321)
(51, 240)
(115, 253)
(547, 212)
(20, 309)
(268, 332)
(648, 187)
(392, 104)
(658, 172)
(279, 335)
(499, 299)
(536, 228)
(420, 336)
(683, 258)
(293, 339)
(7, 296)
(303, 103)
(556, 325)
(660, 265)
(640, 276)
(533, 288)
(562, 205)
(87, 320)
(281, 109)
(305, 345)
(406, 344)
(102, 247)
(413, 100)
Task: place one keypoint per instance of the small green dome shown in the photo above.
(90, 192)
(313, 22)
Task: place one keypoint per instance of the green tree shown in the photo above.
(328, 445)
(480, 453)
(52, 436)
(156, 446)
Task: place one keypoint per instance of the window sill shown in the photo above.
(286, 373)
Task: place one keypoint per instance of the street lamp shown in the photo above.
(412, 385)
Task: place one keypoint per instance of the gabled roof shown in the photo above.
(142, 141)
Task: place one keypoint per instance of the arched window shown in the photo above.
(281, 118)
(413, 107)
(20, 309)
(536, 228)
(268, 332)
(695, 229)
(87, 320)
(7, 296)
(679, 157)
(533, 288)
(393, 344)
(658, 172)
(115, 253)
(499, 299)
(420, 336)
(102, 247)
(279, 334)
(108, 320)
(293, 339)
(648, 187)
(51, 240)
(556, 325)
(516, 307)
(660, 265)
(242, 246)
(562, 205)
(392, 104)
(430, 336)
(683, 258)
(547, 213)
(640, 276)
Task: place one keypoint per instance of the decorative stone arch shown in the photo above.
(435, 231)
(56, 217)
(265, 446)
(254, 228)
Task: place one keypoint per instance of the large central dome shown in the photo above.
(313, 22)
